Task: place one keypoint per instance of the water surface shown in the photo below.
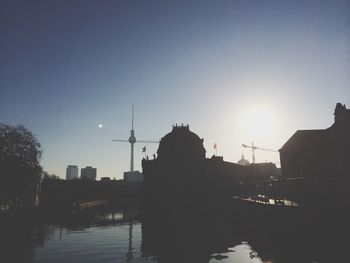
(115, 235)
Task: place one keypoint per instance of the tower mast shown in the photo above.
(132, 140)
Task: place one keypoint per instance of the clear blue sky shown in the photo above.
(235, 71)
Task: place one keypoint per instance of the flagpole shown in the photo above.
(144, 150)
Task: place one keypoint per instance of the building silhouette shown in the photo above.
(182, 175)
(133, 177)
(317, 162)
(72, 172)
(88, 173)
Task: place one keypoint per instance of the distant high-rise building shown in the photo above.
(88, 173)
(72, 172)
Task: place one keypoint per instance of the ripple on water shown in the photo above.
(112, 244)
(95, 244)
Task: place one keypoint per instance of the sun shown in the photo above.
(100, 125)
(258, 122)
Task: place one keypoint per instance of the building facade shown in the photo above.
(182, 175)
(318, 161)
(88, 173)
(72, 172)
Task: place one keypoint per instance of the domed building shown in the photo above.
(243, 161)
(181, 145)
(181, 175)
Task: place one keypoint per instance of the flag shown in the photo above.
(144, 149)
(215, 146)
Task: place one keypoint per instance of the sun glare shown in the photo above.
(258, 122)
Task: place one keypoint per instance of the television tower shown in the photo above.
(132, 140)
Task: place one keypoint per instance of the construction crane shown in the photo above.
(132, 140)
(253, 147)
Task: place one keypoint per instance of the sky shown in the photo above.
(235, 71)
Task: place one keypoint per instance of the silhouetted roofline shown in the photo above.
(303, 135)
(341, 120)
(181, 144)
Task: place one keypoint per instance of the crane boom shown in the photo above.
(258, 148)
(253, 147)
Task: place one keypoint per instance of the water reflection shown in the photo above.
(185, 237)
(242, 253)
(115, 235)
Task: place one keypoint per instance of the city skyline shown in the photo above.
(235, 71)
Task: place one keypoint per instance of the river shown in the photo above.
(122, 235)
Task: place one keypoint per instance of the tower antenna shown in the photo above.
(132, 118)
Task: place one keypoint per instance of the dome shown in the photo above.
(243, 161)
(181, 145)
